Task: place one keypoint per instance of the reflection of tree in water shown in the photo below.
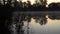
(41, 20)
(18, 21)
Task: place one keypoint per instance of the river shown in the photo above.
(37, 25)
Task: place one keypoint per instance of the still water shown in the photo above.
(51, 27)
(37, 25)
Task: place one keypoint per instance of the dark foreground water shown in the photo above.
(34, 23)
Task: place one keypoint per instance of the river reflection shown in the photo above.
(51, 27)
(27, 24)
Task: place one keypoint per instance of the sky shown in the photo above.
(32, 1)
(48, 1)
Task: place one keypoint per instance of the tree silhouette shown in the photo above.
(53, 6)
(28, 3)
(21, 4)
(4, 2)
